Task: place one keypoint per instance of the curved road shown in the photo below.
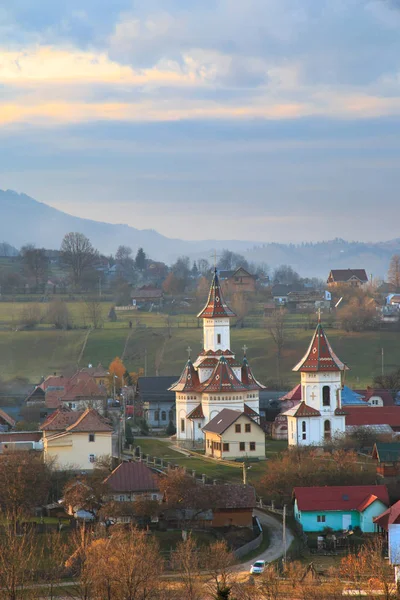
(275, 549)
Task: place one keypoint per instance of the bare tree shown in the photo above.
(124, 257)
(219, 561)
(78, 254)
(35, 262)
(186, 558)
(276, 327)
(31, 315)
(394, 271)
(93, 313)
(58, 314)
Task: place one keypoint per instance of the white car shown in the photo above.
(258, 567)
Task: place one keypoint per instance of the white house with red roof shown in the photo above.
(319, 415)
(216, 380)
(340, 507)
(75, 440)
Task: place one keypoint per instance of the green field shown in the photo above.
(160, 343)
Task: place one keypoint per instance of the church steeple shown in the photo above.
(216, 315)
(320, 356)
(216, 306)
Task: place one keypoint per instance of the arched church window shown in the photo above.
(327, 429)
(218, 338)
(163, 415)
(326, 395)
(303, 430)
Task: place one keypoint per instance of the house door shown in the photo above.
(346, 521)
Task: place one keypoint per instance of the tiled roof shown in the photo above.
(83, 389)
(146, 294)
(216, 306)
(20, 436)
(320, 356)
(344, 275)
(350, 497)
(230, 496)
(60, 419)
(222, 420)
(223, 379)
(358, 416)
(210, 362)
(367, 502)
(188, 381)
(302, 410)
(391, 516)
(386, 395)
(216, 353)
(89, 420)
(196, 413)
(156, 389)
(294, 394)
(53, 381)
(132, 477)
(248, 378)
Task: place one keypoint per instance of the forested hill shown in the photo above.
(25, 220)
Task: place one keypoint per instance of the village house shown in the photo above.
(351, 277)
(130, 480)
(233, 505)
(380, 419)
(147, 294)
(387, 457)
(233, 434)
(76, 439)
(237, 282)
(155, 400)
(6, 422)
(391, 516)
(339, 507)
(308, 301)
(19, 441)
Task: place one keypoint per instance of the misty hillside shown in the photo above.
(25, 220)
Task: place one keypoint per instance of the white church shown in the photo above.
(319, 416)
(216, 380)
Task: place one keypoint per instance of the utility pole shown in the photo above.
(244, 474)
(99, 286)
(145, 362)
(383, 362)
(284, 533)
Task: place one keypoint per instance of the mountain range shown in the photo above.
(25, 220)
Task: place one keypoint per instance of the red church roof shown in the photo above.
(188, 381)
(216, 306)
(294, 394)
(223, 379)
(320, 356)
(248, 378)
(196, 413)
(302, 410)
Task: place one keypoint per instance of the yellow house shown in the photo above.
(232, 434)
(76, 439)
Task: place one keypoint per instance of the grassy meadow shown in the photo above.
(161, 343)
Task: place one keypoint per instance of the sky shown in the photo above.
(263, 120)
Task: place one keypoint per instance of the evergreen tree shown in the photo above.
(129, 434)
(140, 260)
(112, 315)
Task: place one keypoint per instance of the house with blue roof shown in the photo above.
(351, 398)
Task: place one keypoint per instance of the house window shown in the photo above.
(252, 446)
(327, 430)
(182, 425)
(92, 458)
(326, 395)
(242, 446)
(247, 427)
(154, 497)
(238, 428)
(218, 338)
(225, 447)
(303, 430)
(91, 437)
(163, 416)
(320, 518)
(198, 425)
(156, 415)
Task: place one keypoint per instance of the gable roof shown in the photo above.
(386, 451)
(338, 497)
(358, 416)
(89, 420)
(386, 395)
(216, 305)
(225, 419)
(132, 477)
(351, 397)
(196, 413)
(390, 516)
(146, 294)
(294, 394)
(60, 419)
(156, 389)
(228, 496)
(344, 275)
(320, 356)
(5, 417)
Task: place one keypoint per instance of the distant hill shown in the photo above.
(25, 220)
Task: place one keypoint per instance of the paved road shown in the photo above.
(275, 549)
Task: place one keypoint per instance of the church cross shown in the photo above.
(313, 396)
(215, 256)
(245, 348)
(319, 314)
(189, 350)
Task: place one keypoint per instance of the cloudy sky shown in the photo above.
(270, 120)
